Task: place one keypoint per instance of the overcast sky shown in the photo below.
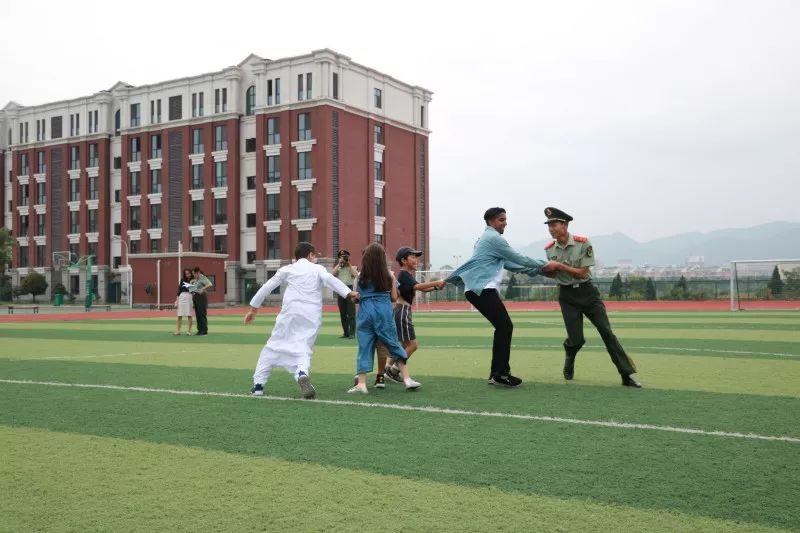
(649, 118)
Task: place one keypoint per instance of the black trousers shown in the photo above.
(584, 300)
(347, 312)
(491, 306)
(200, 302)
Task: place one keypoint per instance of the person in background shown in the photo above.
(346, 273)
(200, 300)
(183, 303)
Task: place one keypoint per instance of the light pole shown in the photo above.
(130, 270)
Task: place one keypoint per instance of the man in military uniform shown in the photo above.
(577, 296)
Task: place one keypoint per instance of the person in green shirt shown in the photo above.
(346, 273)
(578, 297)
(200, 300)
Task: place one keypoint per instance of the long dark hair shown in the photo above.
(183, 276)
(374, 269)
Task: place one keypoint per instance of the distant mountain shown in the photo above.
(775, 240)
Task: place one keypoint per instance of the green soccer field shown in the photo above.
(162, 435)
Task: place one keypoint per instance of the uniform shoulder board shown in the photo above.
(580, 238)
(549, 244)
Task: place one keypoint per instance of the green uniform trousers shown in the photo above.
(585, 300)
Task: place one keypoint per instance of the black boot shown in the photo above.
(569, 366)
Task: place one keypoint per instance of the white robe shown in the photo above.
(292, 340)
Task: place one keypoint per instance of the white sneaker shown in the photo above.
(358, 390)
(412, 385)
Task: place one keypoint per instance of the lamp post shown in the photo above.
(130, 270)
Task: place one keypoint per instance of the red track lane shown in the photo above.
(702, 305)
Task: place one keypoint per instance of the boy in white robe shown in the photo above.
(292, 340)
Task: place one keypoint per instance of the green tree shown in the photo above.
(512, 290)
(680, 291)
(6, 242)
(33, 284)
(775, 284)
(650, 290)
(616, 288)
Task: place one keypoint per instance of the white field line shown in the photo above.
(423, 409)
(598, 347)
(95, 356)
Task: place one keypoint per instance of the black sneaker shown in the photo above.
(630, 381)
(257, 390)
(380, 383)
(505, 381)
(569, 367)
(393, 374)
(309, 392)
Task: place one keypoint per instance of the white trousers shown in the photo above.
(291, 343)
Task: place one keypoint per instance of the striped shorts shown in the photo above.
(403, 323)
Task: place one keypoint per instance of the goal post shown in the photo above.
(765, 284)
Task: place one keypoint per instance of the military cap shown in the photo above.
(554, 214)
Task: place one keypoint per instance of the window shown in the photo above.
(220, 211)
(277, 91)
(74, 125)
(134, 246)
(422, 116)
(117, 163)
(273, 168)
(308, 86)
(116, 195)
(197, 244)
(197, 104)
(221, 173)
(23, 164)
(23, 256)
(155, 181)
(74, 157)
(300, 92)
(197, 212)
(197, 176)
(74, 222)
(303, 126)
(273, 131)
(92, 218)
(135, 220)
(155, 246)
(155, 111)
(117, 228)
(250, 220)
(23, 194)
(251, 257)
(250, 145)
(304, 205)
(221, 244)
(197, 141)
(93, 121)
(38, 130)
(55, 128)
(74, 191)
(116, 261)
(26, 132)
(378, 171)
(273, 245)
(136, 118)
(194, 104)
(378, 207)
(220, 100)
(335, 86)
(40, 224)
(155, 215)
(117, 123)
(94, 156)
(250, 100)
(304, 165)
(269, 92)
(378, 134)
(220, 138)
(136, 149)
(75, 284)
(304, 236)
(41, 195)
(273, 207)
(41, 252)
(379, 239)
(175, 107)
(251, 183)
(94, 193)
(378, 98)
(155, 147)
(23, 224)
(136, 183)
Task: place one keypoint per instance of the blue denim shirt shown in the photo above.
(492, 252)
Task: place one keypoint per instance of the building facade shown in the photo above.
(243, 162)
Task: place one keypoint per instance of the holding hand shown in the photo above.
(250, 316)
(551, 267)
(354, 296)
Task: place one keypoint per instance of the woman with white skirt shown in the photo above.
(184, 301)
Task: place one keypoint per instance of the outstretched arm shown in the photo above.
(334, 284)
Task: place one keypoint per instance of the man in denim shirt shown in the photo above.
(482, 275)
